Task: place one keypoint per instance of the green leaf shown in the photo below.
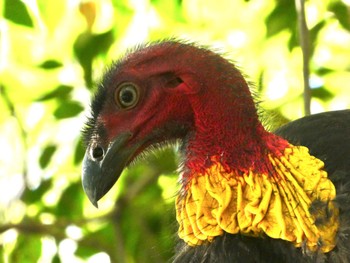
(32, 196)
(56, 259)
(314, 34)
(51, 64)
(87, 47)
(316, 30)
(79, 152)
(85, 252)
(323, 71)
(106, 241)
(62, 92)
(282, 17)
(70, 204)
(322, 93)
(28, 249)
(46, 155)
(293, 40)
(68, 109)
(16, 11)
(342, 13)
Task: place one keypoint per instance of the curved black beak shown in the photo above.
(102, 172)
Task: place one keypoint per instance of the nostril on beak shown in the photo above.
(97, 153)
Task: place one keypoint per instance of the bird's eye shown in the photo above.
(126, 95)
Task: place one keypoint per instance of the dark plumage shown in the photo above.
(247, 195)
(323, 134)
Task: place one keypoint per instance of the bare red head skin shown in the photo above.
(183, 92)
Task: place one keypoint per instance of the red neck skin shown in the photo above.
(227, 126)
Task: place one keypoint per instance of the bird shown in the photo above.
(246, 194)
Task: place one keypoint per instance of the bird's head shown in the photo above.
(158, 93)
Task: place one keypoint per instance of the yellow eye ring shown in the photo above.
(127, 95)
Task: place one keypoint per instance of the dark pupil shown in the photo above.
(127, 96)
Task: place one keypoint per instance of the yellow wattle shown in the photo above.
(276, 203)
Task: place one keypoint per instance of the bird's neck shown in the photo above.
(276, 203)
(266, 186)
(240, 179)
(231, 133)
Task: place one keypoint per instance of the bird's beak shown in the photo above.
(100, 174)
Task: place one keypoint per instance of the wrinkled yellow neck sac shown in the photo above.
(276, 204)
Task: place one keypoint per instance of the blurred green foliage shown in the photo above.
(51, 55)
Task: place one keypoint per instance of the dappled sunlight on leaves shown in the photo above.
(52, 55)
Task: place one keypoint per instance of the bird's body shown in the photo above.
(322, 134)
(246, 194)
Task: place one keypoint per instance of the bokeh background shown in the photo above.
(52, 54)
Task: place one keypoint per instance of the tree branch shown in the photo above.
(304, 43)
